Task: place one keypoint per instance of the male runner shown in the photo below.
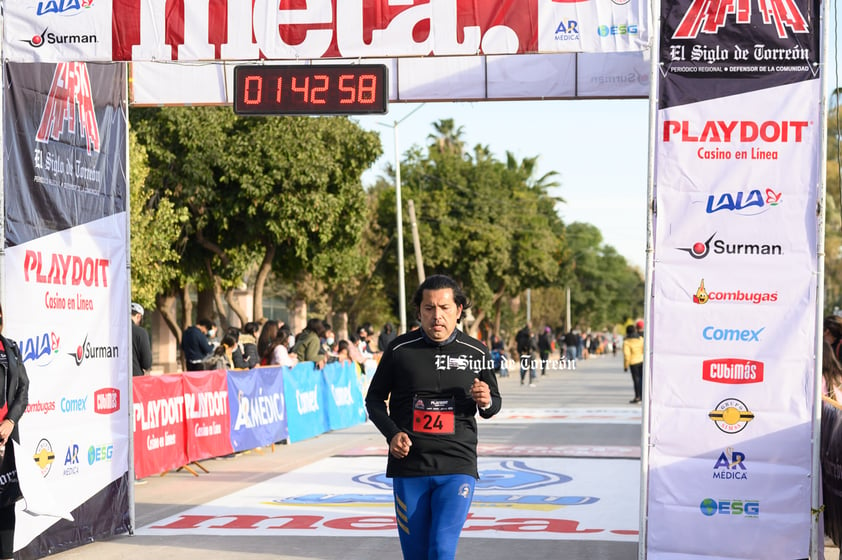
(438, 378)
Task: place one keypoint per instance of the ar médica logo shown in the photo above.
(70, 94)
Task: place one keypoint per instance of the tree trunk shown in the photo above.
(339, 321)
(220, 306)
(260, 281)
(187, 305)
(235, 306)
(164, 304)
(205, 304)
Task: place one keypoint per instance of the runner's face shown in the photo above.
(439, 313)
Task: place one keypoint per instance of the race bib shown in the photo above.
(434, 415)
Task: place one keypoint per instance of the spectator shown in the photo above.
(268, 334)
(237, 358)
(141, 348)
(278, 351)
(545, 346)
(633, 360)
(387, 335)
(194, 343)
(248, 342)
(526, 346)
(308, 343)
(571, 343)
(221, 357)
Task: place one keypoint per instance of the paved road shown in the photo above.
(574, 436)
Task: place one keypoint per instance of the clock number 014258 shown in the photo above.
(353, 88)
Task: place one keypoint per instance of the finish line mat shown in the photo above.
(516, 498)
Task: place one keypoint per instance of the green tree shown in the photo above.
(833, 211)
(155, 225)
(264, 194)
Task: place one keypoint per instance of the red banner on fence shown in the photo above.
(159, 426)
(207, 417)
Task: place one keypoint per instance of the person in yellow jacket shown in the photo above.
(633, 360)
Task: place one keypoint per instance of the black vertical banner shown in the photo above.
(65, 144)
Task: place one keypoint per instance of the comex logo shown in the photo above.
(744, 508)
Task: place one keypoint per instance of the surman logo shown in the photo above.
(708, 16)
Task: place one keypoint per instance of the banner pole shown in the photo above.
(654, 49)
(129, 393)
(816, 535)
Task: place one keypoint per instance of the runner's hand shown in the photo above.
(481, 393)
(400, 444)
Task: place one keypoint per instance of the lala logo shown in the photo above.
(753, 203)
(62, 6)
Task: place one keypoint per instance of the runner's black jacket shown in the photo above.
(415, 366)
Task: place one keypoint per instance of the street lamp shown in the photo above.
(399, 220)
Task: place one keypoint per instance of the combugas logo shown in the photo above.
(703, 296)
(702, 249)
(731, 416)
(746, 203)
(730, 465)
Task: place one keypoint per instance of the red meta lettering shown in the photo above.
(359, 28)
(70, 90)
(708, 16)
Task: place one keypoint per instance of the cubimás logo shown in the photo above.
(86, 351)
(731, 415)
(732, 371)
(746, 508)
(730, 465)
(107, 400)
(44, 456)
(702, 249)
(744, 203)
(702, 296)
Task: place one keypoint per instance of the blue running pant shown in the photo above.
(431, 511)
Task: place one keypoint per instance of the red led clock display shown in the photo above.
(315, 89)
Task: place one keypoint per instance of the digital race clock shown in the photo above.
(315, 89)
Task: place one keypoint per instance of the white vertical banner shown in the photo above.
(728, 465)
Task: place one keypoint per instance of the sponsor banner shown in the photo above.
(532, 498)
(65, 230)
(731, 339)
(159, 424)
(762, 139)
(66, 132)
(304, 393)
(531, 76)
(741, 48)
(206, 415)
(343, 396)
(60, 30)
(258, 409)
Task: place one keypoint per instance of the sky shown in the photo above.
(599, 148)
